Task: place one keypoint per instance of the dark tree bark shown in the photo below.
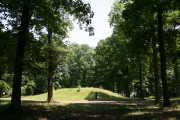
(126, 89)
(50, 69)
(162, 52)
(156, 74)
(140, 81)
(84, 78)
(15, 105)
(176, 75)
(140, 76)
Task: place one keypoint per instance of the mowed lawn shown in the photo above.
(122, 108)
(75, 94)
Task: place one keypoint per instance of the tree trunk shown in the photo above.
(162, 52)
(126, 89)
(140, 75)
(140, 81)
(15, 105)
(84, 82)
(176, 75)
(156, 74)
(50, 69)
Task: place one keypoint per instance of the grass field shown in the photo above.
(78, 94)
(120, 109)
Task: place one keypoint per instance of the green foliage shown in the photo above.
(113, 64)
(79, 87)
(30, 87)
(136, 22)
(7, 46)
(78, 67)
(5, 89)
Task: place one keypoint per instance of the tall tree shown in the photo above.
(142, 31)
(15, 105)
(162, 52)
(50, 68)
(156, 73)
(57, 8)
(172, 37)
(140, 76)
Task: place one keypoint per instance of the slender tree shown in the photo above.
(156, 73)
(50, 68)
(140, 76)
(56, 7)
(176, 76)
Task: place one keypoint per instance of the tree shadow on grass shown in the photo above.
(101, 97)
(35, 110)
(149, 115)
(107, 97)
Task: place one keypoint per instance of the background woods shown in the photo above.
(140, 58)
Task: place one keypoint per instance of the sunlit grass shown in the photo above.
(77, 94)
(4, 102)
(137, 113)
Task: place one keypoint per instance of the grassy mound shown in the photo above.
(78, 94)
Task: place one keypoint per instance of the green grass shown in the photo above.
(34, 109)
(74, 94)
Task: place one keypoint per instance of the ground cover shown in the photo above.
(74, 94)
(108, 106)
(120, 110)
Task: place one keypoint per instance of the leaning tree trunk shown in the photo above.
(15, 105)
(162, 52)
(156, 74)
(176, 75)
(50, 69)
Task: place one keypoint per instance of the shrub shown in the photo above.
(5, 89)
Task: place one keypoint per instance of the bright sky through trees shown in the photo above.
(100, 23)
